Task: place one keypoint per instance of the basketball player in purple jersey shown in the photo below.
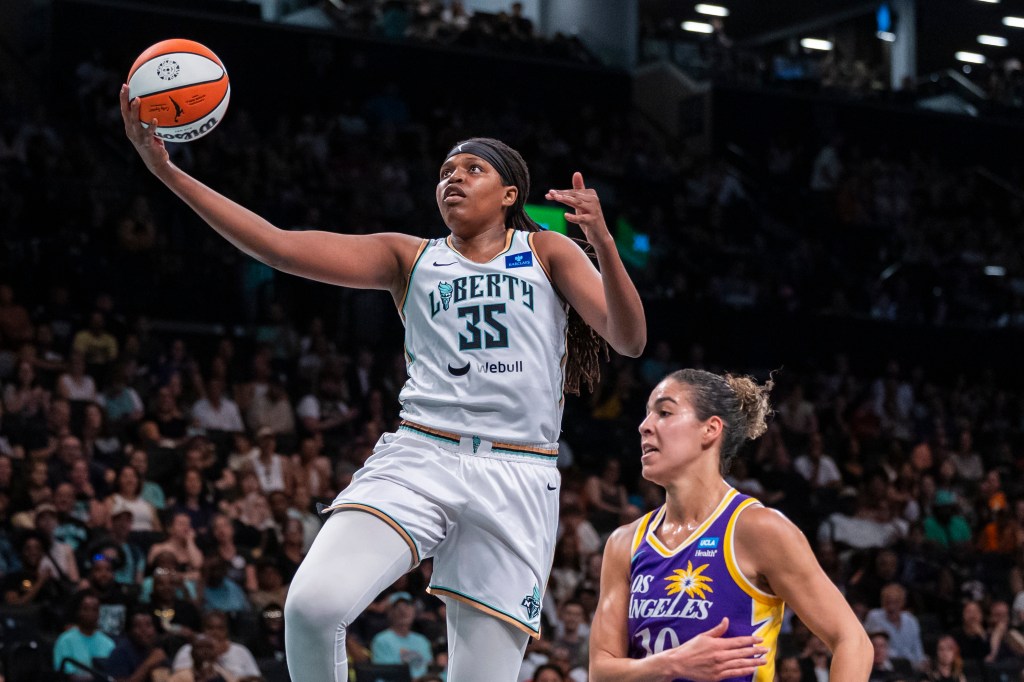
(696, 589)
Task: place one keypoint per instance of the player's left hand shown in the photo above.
(587, 207)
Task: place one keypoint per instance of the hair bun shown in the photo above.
(754, 402)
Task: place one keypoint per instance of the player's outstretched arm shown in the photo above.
(378, 261)
(777, 550)
(706, 657)
(607, 300)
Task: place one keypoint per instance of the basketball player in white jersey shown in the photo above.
(495, 334)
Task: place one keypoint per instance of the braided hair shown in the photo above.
(584, 346)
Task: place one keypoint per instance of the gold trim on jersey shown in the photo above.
(638, 535)
(509, 233)
(408, 282)
(766, 610)
(660, 547)
(734, 567)
(489, 610)
(529, 240)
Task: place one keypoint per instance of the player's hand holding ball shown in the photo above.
(177, 91)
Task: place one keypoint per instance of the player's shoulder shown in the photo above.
(622, 538)
(545, 241)
(767, 529)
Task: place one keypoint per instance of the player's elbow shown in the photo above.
(633, 345)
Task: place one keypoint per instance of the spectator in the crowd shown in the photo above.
(884, 667)
(83, 642)
(268, 644)
(114, 602)
(181, 543)
(548, 673)
(233, 657)
(293, 543)
(398, 643)
(219, 592)
(819, 469)
(971, 636)
(15, 323)
(99, 443)
(273, 470)
(75, 384)
(169, 418)
(37, 582)
(195, 500)
(605, 497)
(270, 585)
(272, 410)
(311, 468)
(239, 563)
(572, 631)
(152, 492)
(26, 401)
(120, 401)
(60, 557)
(203, 664)
(327, 412)
(947, 665)
(903, 628)
(1006, 646)
(133, 559)
(137, 658)
(215, 411)
(945, 526)
(175, 616)
(128, 495)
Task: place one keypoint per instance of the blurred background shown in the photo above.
(829, 191)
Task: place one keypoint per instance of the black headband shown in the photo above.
(488, 154)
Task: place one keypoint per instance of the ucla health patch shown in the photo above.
(519, 260)
(708, 543)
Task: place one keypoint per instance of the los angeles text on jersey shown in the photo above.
(668, 607)
(494, 285)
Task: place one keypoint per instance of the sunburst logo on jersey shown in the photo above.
(689, 581)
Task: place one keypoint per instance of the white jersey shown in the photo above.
(485, 343)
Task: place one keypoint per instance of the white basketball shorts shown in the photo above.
(486, 511)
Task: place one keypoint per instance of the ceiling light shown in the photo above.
(816, 44)
(992, 2)
(1016, 22)
(887, 36)
(698, 27)
(994, 41)
(970, 57)
(712, 10)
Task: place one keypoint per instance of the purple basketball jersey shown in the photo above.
(676, 594)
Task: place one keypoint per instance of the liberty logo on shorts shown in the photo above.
(531, 603)
(476, 443)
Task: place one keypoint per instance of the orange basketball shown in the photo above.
(183, 85)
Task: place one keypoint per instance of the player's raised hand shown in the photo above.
(587, 213)
(150, 147)
(710, 656)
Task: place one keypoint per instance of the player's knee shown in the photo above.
(310, 605)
